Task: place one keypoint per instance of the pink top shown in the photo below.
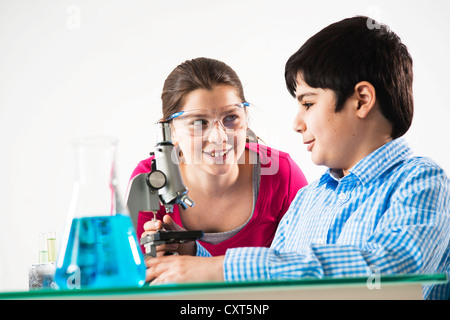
(281, 178)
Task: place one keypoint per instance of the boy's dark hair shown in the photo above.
(354, 50)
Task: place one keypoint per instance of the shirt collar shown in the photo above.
(376, 162)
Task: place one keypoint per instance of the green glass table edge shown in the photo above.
(193, 287)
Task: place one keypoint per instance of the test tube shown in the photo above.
(51, 246)
(43, 248)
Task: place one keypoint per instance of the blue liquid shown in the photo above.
(101, 252)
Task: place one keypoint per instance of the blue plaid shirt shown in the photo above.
(390, 214)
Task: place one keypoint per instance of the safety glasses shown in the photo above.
(200, 122)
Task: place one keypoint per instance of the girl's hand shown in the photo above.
(152, 226)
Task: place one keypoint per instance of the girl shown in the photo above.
(241, 189)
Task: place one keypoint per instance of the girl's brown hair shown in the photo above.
(199, 73)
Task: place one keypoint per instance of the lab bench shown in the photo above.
(404, 287)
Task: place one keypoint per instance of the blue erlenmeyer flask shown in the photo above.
(99, 247)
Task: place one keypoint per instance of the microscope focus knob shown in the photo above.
(156, 179)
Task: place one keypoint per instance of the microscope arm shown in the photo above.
(164, 185)
(141, 198)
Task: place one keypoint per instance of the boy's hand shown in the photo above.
(177, 269)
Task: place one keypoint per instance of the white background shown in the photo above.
(82, 67)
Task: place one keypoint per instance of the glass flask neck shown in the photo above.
(95, 187)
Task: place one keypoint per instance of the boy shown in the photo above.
(377, 206)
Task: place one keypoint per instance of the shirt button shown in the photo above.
(320, 241)
(342, 196)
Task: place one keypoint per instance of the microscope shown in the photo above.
(163, 185)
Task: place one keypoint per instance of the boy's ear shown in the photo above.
(365, 96)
